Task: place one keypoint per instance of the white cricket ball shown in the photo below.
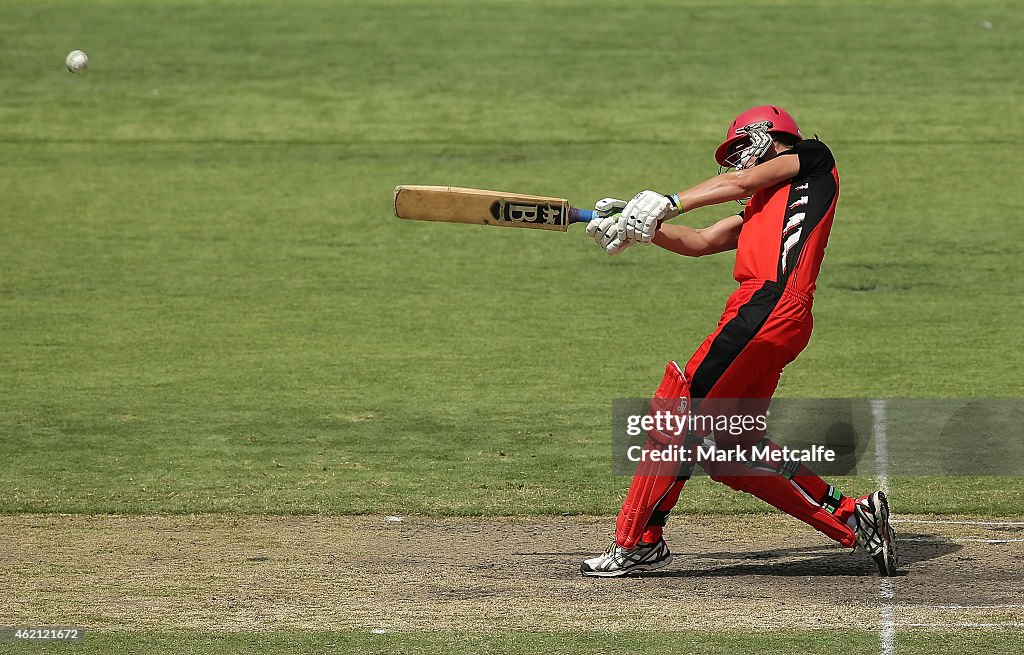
(77, 61)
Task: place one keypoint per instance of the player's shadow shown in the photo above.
(821, 561)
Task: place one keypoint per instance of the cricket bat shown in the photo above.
(449, 204)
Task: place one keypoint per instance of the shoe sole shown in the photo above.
(639, 568)
(886, 560)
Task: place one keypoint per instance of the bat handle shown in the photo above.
(581, 215)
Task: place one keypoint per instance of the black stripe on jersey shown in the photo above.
(733, 338)
(809, 201)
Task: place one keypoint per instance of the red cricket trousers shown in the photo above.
(764, 327)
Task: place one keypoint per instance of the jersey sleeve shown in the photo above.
(815, 158)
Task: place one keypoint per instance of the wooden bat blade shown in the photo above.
(482, 207)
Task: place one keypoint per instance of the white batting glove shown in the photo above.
(620, 242)
(645, 212)
(607, 229)
(604, 230)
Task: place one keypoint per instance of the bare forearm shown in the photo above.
(681, 239)
(715, 190)
(739, 184)
(685, 240)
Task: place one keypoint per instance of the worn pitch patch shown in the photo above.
(268, 572)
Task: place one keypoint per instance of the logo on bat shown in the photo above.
(525, 212)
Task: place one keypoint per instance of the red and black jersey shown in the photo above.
(786, 226)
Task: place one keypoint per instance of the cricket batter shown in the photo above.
(779, 238)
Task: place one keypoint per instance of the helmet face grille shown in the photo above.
(746, 152)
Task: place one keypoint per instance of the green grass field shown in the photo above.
(206, 305)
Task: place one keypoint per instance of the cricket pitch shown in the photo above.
(245, 573)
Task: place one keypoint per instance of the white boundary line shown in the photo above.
(962, 540)
(962, 625)
(887, 587)
(939, 522)
(964, 607)
(881, 445)
(887, 630)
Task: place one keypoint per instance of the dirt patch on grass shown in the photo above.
(258, 572)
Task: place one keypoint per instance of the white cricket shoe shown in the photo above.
(617, 561)
(874, 534)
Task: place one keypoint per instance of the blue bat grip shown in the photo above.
(582, 215)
